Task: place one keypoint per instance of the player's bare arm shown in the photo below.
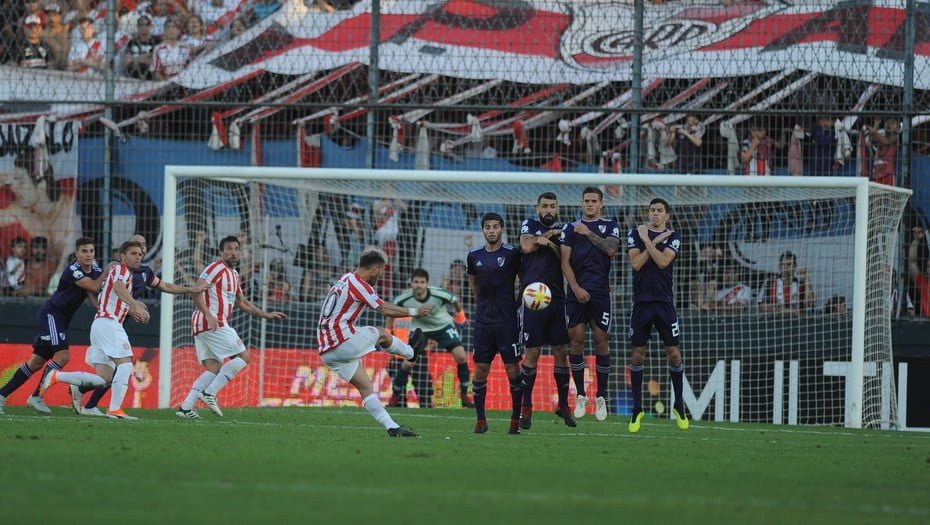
(638, 258)
(392, 310)
(137, 309)
(569, 274)
(912, 251)
(177, 289)
(807, 300)
(255, 311)
(607, 245)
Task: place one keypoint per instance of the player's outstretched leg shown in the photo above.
(228, 371)
(119, 386)
(22, 374)
(35, 400)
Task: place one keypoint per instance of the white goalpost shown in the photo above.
(826, 361)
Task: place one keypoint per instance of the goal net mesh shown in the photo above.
(764, 288)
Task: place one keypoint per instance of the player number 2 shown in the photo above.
(675, 329)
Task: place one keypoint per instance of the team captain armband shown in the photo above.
(460, 317)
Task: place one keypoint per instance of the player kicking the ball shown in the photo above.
(214, 339)
(342, 345)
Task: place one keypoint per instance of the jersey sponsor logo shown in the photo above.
(501, 261)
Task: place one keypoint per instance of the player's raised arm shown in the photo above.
(392, 310)
(177, 289)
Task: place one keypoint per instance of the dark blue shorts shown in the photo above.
(661, 315)
(50, 335)
(597, 310)
(544, 327)
(498, 339)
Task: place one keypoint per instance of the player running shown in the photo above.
(539, 241)
(342, 345)
(214, 339)
(652, 250)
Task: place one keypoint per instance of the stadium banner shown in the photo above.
(38, 168)
(579, 42)
(143, 383)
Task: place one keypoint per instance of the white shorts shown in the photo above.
(108, 341)
(344, 359)
(219, 344)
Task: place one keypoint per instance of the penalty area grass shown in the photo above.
(336, 464)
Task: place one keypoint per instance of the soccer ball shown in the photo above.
(537, 296)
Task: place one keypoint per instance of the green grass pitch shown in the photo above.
(336, 466)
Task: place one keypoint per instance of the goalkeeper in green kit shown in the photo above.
(439, 325)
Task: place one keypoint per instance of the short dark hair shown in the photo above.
(663, 202)
(546, 195)
(128, 245)
(492, 216)
(371, 257)
(17, 240)
(38, 241)
(593, 189)
(83, 241)
(788, 255)
(420, 272)
(228, 239)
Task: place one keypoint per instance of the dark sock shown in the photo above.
(85, 389)
(399, 385)
(422, 384)
(636, 387)
(676, 373)
(527, 380)
(464, 378)
(576, 363)
(95, 397)
(602, 367)
(52, 365)
(562, 379)
(21, 375)
(480, 389)
(516, 398)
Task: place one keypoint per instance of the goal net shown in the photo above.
(783, 284)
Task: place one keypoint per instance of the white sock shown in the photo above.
(373, 406)
(80, 378)
(227, 372)
(120, 385)
(202, 382)
(400, 348)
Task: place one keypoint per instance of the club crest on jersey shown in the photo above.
(676, 244)
(501, 261)
(602, 228)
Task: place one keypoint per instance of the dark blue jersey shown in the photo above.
(68, 297)
(591, 265)
(542, 265)
(495, 274)
(651, 283)
(142, 278)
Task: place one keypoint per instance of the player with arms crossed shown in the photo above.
(80, 280)
(587, 248)
(539, 242)
(439, 326)
(342, 345)
(652, 250)
(492, 272)
(214, 339)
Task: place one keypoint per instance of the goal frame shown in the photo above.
(176, 173)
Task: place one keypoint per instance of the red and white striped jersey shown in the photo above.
(342, 306)
(109, 305)
(220, 297)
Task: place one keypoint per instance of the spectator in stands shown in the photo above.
(319, 275)
(262, 9)
(16, 265)
(57, 35)
(688, 142)
(158, 13)
(86, 56)
(171, 56)
(823, 147)
(456, 281)
(758, 152)
(279, 289)
(211, 11)
(138, 56)
(33, 53)
(196, 36)
(34, 8)
(789, 290)
(884, 142)
(733, 296)
(237, 27)
(835, 305)
(920, 277)
(320, 6)
(704, 273)
(39, 269)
